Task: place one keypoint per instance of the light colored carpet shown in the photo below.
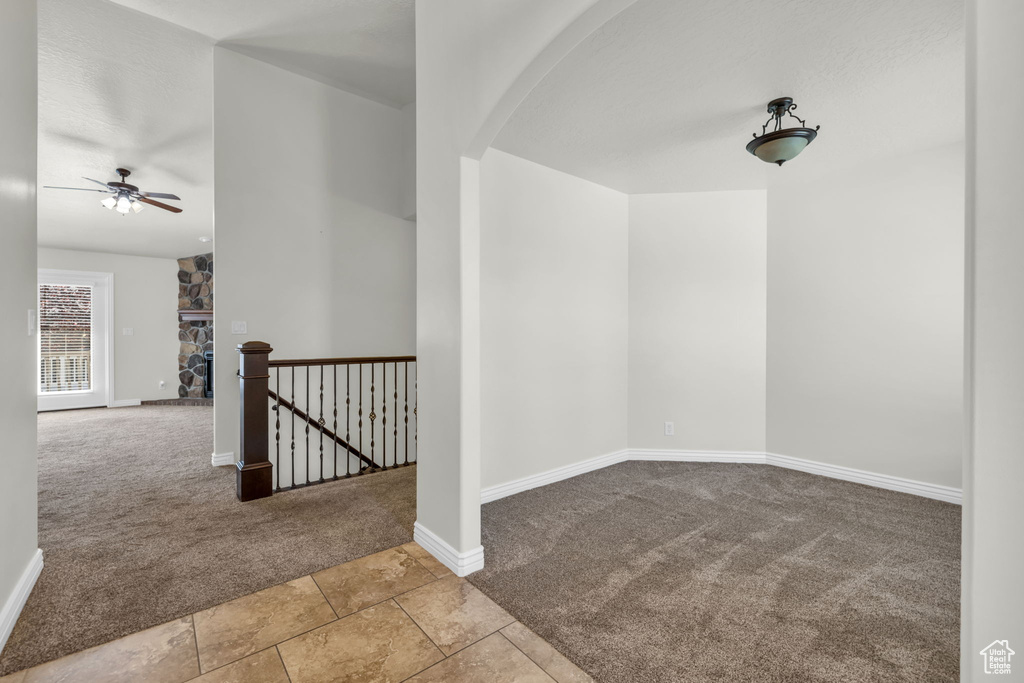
(137, 528)
(679, 572)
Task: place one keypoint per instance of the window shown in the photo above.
(65, 338)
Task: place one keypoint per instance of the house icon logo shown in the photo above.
(997, 657)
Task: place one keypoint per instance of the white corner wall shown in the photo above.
(993, 557)
(145, 299)
(312, 249)
(554, 324)
(19, 560)
(697, 320)
(865, 316)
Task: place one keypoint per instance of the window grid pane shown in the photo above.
(65, 338)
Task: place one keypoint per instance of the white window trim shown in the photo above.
(93, 279)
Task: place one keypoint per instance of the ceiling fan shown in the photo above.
(124, 197)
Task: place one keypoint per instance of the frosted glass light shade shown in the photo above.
(137, 206)
(781, 150)
(123, 205)
(780, 146)
(109, 202)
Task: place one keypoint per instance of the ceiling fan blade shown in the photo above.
(160, 195)
(95, 181)
(83, 189)
(166, 207)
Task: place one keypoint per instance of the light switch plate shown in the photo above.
(238, 327)
(128, 331)
(31, 321)
(670, 428)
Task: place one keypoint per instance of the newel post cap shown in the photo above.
(254, 347)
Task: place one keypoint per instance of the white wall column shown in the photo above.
(475, 61)
(20, 560)
(993, 556)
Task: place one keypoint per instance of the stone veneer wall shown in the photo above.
(195, 291)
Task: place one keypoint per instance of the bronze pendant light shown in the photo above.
(781, 144)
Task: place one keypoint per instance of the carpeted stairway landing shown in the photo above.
(677, 572)
(137, 528)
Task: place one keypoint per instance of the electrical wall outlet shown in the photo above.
(128, 331)
(670, 428)
(238, 327)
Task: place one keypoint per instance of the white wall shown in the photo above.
(865, 316)
(145, 299)
(697, 309)
(553, 264)
(18, 283)
(475, 61)
(312, 250)
(993, 605)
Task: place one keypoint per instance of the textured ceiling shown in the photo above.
(665, 96)
(364, 46)
(119, 88)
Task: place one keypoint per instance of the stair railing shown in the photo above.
(332, 418)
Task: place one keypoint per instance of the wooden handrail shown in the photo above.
(340, 361)
(301, 414)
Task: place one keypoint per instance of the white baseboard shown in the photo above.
(695, 456)
(463, 564)
(126, 403)
(16, 601)
(882, 481)
(551, 476)
(221, 459)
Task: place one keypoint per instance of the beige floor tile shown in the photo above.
(364, 582)
(492, 660)
(453, 613)
(262, 667)
(427, 560)
(546, 656)
(162, 654)
(380, 644)
(252, 623)
(17, 677)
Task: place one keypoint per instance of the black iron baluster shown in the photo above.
(348, 418)
(307, 425)
(373, 414)
(396, 413)
(405, 400)
(293, 428)
(384, 413)
(321, 422)
(415, 413)
(277, 433)
(361, 466)
(335, 397)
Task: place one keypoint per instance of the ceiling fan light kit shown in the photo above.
(781, 144)
(124, 197)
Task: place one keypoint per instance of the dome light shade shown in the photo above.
(781, 144)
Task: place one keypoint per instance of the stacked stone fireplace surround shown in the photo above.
(195, 293)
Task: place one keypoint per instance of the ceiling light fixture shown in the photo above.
(109, 202)
(205, 239)
(124, 204)
(781, 144)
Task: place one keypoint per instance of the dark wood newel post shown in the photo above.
(255, 471)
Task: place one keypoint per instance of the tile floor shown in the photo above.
(398, 615)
